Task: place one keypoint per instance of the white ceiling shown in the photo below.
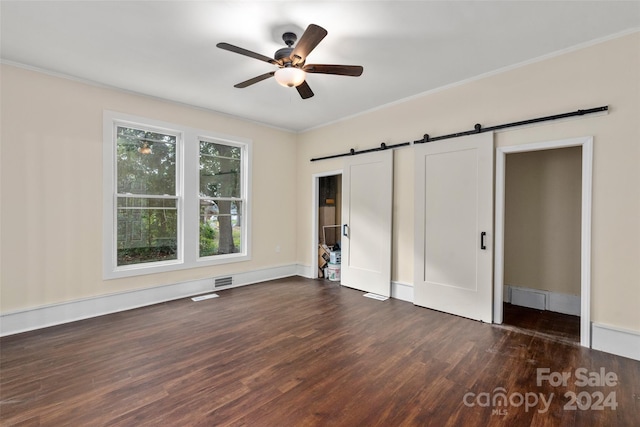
(167, 48)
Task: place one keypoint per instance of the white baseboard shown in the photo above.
(402, 291)
(615, 340)
(56, 314)
(529, 298)
(257, 276)
(305, 271)
(542, 300)
(399, 290)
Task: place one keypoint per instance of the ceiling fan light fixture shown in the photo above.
(290, 76)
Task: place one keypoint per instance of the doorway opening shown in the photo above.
(543, 222)
(542, 242)
(327, 226)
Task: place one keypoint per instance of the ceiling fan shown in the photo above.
(291, 61)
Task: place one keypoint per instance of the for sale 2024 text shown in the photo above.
(583, 400)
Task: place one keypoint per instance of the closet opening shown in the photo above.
(329, 224)
(542, 239)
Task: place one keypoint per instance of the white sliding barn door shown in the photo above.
(367, 199)
(454, 226)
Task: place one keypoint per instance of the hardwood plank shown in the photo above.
(564, 327)
(297, 352)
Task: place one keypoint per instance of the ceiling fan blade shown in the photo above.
(304, 90)
(309, 40)
(245, 52)
(254, 80)
(341, 70)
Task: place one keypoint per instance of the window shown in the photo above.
(146, 194)
(221, 199)
(174, 197)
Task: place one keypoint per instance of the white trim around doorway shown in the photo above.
(585, 266)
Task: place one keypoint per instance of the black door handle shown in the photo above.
(482, 236)
(344, 230)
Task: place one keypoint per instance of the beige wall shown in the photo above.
(52, 189)
(604, 74)
(543, 220)
(51, 172)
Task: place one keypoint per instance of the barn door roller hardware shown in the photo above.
(477, 129)
(353, 152)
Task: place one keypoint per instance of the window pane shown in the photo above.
(219, 170)
(220, 227)
(147, 230)
(146, 162)
(220, 150)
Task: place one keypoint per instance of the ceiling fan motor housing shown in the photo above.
(283, 55)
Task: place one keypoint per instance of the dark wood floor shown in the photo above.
(297, 352)
(544, 323)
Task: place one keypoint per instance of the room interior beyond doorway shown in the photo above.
(329, 220)
(585, 144)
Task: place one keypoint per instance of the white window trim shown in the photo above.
(187, 167)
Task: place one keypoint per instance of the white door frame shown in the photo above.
(315, 202)
(585, 265)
